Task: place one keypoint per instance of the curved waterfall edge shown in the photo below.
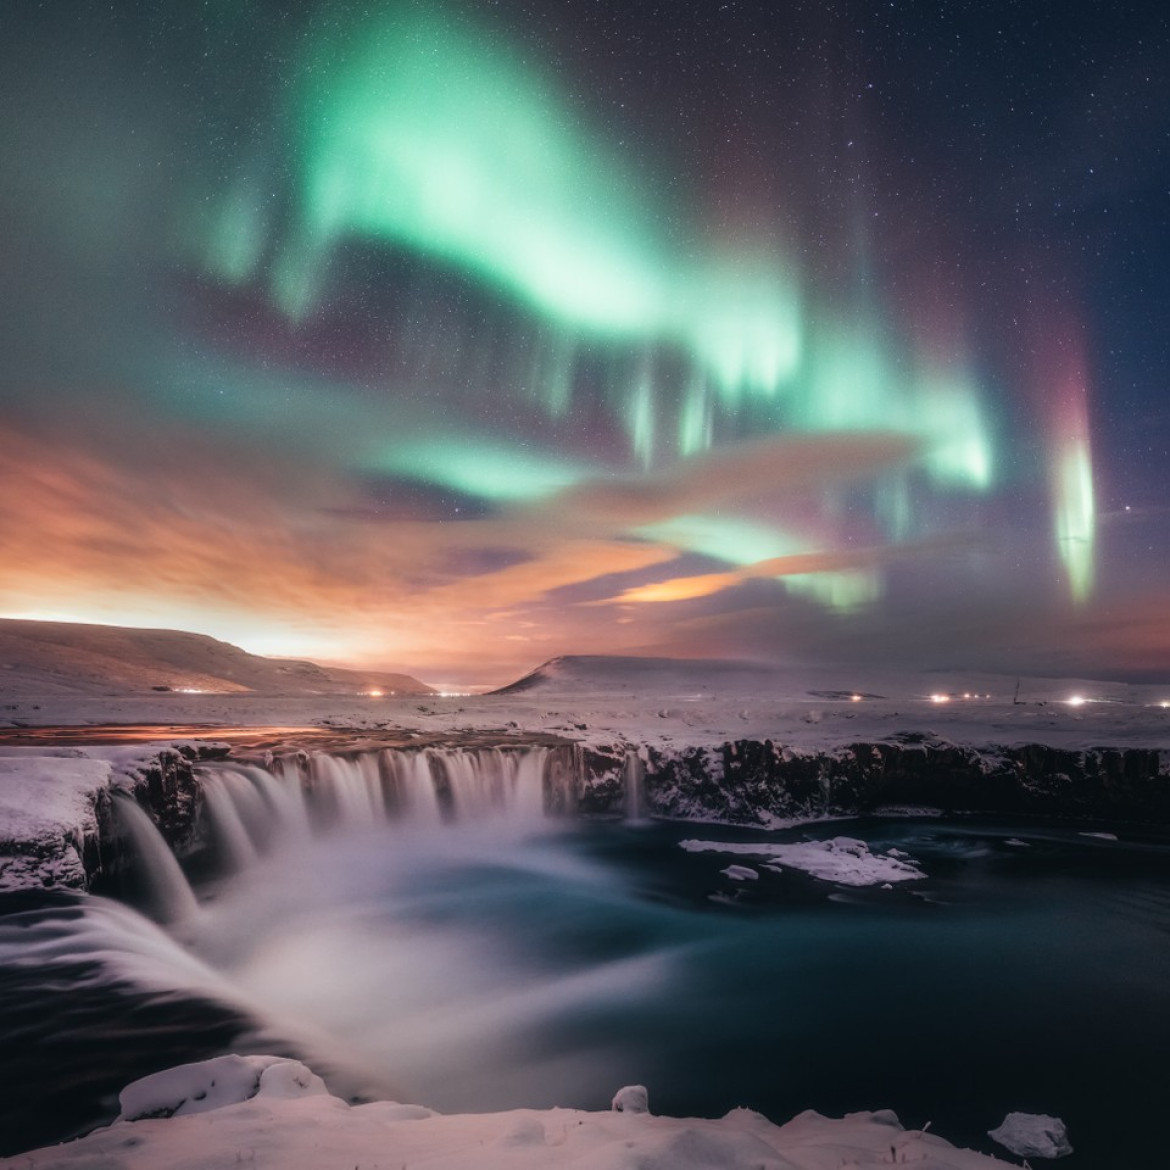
(196, 801)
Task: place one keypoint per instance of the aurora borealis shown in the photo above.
(452, 337)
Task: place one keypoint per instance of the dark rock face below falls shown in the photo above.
(760, 782)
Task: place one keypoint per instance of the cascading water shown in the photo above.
(223, 801)
(250, 811)
(410, 786)
(165, 891)
(249, 808)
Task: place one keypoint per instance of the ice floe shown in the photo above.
(844, 860)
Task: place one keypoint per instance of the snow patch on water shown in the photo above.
(844, 860)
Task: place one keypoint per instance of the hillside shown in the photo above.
(692, 678)
(615, 675)
(64, 658)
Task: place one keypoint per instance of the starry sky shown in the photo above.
(450, 337)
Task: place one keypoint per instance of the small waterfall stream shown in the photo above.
(634, 786)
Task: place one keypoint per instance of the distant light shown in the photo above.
(940, 698)
(453, 694)
(1076, 700)
(857, 699)
(966, 694)
(374, 694)
(1164, 703)
(190, 690)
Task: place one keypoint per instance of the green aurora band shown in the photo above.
(419, 130)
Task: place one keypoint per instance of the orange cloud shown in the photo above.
(222, 542)
(798, 564)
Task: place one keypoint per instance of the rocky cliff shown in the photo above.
(763, 782)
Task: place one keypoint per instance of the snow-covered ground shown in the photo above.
(275, 1114)
(692, 703)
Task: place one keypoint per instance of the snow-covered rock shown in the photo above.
(47, 819)
(1032, 1135)
(213, 1084)
(631, 1099)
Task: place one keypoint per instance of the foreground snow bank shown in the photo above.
(269, 1114)
(212, 1084)
(843, 860)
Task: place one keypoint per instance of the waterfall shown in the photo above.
(251, 809)
(349, 790)
(634, 786)
(410, 786)
(165, 888)
(284, 799)
(490, 782)
(226, 820)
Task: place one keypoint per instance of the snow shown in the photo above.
(631, 1099)
(657, 702)
(42, 794)
(740, 873)
(307, 1130)
(46, 814)
(212, 1084)
(1032, 1135)
(1100, 836)
(843, 860)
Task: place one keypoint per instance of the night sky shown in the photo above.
(452, 337)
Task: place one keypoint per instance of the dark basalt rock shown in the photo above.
(757, 782)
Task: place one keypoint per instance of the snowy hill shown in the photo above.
(680, 678)
(614, 675)
(64, 658)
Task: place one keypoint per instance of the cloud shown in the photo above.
(159, 528)
(772, 466)
(688, 588)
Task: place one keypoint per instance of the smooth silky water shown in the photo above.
(504, 959)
